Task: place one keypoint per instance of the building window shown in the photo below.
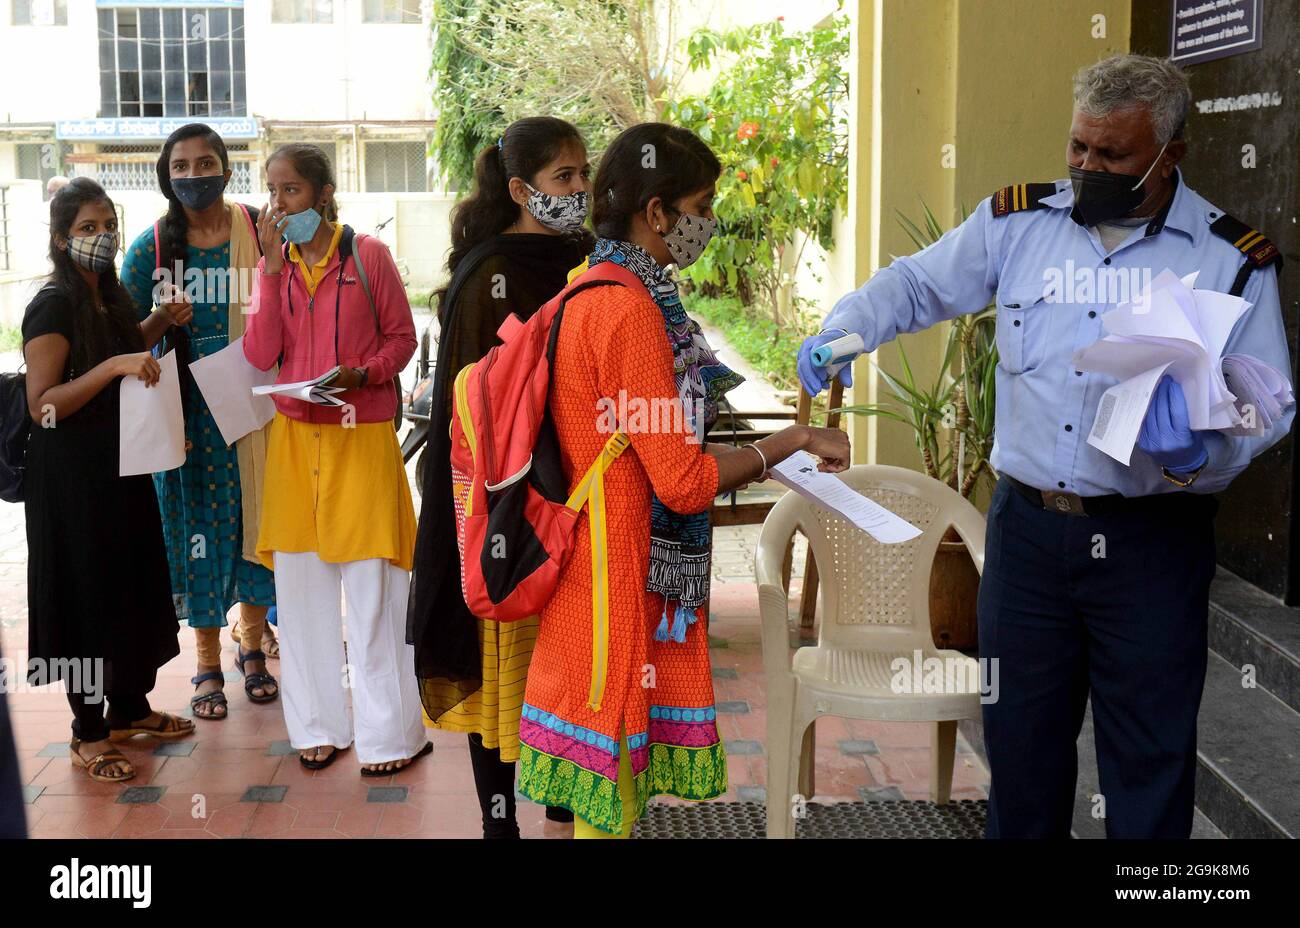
(396, 167)
(171, 62)
(40, 12)
(302, 11)
(391, 11)
(38, 160)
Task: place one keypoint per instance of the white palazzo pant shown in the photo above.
(378, 667)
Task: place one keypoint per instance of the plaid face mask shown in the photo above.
(94, 252)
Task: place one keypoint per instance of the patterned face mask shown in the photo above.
(688, 238)
(94, 252)
(563, 214)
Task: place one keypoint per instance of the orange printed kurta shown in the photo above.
(612, 352)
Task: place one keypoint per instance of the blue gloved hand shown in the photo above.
(813, 376)
(1165, 434)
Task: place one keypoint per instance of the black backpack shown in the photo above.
(15, 427)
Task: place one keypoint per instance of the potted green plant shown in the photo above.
(950, 409)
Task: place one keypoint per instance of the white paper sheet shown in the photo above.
(226, 380)
(309, 391)
(151, 425)
(1120, 412)
(799, 472)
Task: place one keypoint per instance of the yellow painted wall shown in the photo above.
(990, 78)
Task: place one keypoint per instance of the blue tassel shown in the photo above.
(679, 624)
(661, 633)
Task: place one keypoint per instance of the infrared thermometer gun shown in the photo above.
(834, 355)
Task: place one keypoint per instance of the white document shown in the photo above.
(309, 391)
(799, 472)
(226, 380)
(1262, 393)
(1120, 413)
(151, 425)
(1175, 329)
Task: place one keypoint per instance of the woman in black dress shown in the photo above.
(100, 613)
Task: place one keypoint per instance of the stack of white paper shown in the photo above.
(1262, 393)
(799, 472)
(1171, 328)
(315, 391)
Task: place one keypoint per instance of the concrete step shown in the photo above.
(1248, 626)
(1248, 757)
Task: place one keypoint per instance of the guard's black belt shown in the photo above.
(1071, 504)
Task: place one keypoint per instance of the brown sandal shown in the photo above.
(95, 766)
(169, 726)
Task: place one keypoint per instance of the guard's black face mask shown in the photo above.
(1100, 196)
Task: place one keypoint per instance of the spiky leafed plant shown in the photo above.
(951, 410)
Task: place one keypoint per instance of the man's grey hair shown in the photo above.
(1125, 81)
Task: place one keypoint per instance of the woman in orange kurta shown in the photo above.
(652, 728)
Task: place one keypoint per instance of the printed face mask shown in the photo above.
(563, 214)
(94, 252)
(300, 227)
(199, 192)
(1100, 196)
(688, 238)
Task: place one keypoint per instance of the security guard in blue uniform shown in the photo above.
(1096, 578)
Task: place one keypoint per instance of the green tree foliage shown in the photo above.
(777, 117)
(603, 65)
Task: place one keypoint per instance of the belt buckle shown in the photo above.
(1070, 504)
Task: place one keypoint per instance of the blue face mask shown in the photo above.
(199, 192)
(300, 227)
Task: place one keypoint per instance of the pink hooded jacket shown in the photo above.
(284, 320)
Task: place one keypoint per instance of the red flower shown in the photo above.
(747, 130)
(742, 175)
(780, 19)
(775, 161)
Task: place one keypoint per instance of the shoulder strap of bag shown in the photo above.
(346, 250)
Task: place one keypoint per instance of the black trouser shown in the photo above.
(89, 723)
(1112, 605)
(494, 780)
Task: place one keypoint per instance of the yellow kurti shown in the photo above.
(339, 491)
(493, 711)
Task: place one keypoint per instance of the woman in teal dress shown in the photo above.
(210, 504)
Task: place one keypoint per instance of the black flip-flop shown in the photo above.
(427, 749)
(321, 764)
(254, 680)
(216, 697)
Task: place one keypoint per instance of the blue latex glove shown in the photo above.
(813, 376)
(1165, 435)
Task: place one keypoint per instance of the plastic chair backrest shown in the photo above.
(877, 596)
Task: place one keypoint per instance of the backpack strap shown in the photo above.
(591, 490)
(345, 252)
(157, 244)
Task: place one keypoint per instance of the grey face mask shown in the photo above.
(688, 238)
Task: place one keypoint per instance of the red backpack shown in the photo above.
(515, 518)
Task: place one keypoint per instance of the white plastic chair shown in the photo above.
(875, 608)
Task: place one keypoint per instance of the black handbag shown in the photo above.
(15, 428)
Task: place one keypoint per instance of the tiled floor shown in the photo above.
(240, 778)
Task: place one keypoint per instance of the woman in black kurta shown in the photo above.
(514, 240)
(97, 579)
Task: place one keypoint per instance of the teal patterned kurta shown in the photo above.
(201, 503)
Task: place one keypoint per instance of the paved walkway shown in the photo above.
(239, 777)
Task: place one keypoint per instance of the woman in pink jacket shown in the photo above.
(337, 506)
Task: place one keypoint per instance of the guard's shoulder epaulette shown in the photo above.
(1257, 249)
(1019, 197)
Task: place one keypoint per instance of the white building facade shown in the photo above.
(92, 87)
